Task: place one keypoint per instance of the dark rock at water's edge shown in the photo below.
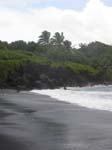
(44, 77)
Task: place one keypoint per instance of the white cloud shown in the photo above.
(93, 23)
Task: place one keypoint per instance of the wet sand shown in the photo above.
(36, 122)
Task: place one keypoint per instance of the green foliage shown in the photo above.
(3, 45)
(13, 61)
(24, 62)
(58, 39)
(21, 45)
(76, 67)
(67, 44)
(7, 67)
(79, 68)
(44, 38)
(21, 56)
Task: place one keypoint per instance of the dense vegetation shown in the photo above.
(52, 62)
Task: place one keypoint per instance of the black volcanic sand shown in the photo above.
(36, 122)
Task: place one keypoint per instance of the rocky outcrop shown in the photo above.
(43, 76)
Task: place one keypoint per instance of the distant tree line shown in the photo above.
(53, 61)
(45, 39)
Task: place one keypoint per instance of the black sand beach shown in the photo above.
(36, 122)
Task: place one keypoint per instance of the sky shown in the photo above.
(82, 21)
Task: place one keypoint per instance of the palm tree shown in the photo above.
(44, 38)
(67, 44)
(58, 39)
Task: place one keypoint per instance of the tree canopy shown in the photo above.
(53, 58)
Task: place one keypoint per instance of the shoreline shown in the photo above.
(31, 121)
(9, 89)
(14, 92)
(30, 92)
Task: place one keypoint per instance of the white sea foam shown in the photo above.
(97, 97)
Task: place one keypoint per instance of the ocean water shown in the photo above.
(96, 97)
